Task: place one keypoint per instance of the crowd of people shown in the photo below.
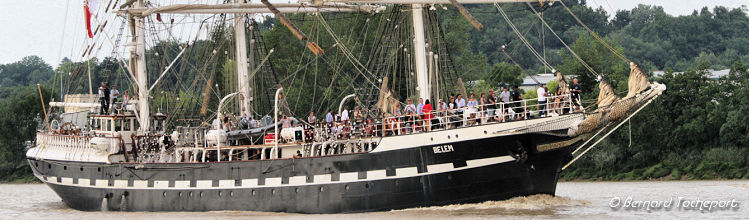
(424, 115)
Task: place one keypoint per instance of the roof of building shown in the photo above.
(714, 74)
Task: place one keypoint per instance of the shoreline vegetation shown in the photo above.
(697, 130)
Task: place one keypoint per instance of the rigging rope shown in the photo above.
(519, 66)
(525, 41)
(350, 56)
(562, 41)
(594, 34)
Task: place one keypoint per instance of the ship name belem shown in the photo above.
(443, 149)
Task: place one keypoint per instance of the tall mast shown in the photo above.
(140, 69)
(241, 60)
(420, 59)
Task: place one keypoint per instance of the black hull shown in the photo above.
(472, 171)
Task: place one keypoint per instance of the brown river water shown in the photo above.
(727, 199)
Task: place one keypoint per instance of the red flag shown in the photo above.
(87, 14)
(158, 17)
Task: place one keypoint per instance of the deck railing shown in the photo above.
(445, 119)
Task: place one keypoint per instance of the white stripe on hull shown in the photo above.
(277, 181)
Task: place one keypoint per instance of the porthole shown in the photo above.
(253, 192)
(81, 169)
(231, 193)
(36, 164)
(485, 132)
(49, 166)
(347, 188)
(448, 136)
(220, 193)
(98, 169)
(366, 185)
(273, 191)
(64, 167)
(296, 190)
(189, 194)
(179, 194)
(431, 139)
(322, 189)
(201, 194)
(456, 135)
(163, 194)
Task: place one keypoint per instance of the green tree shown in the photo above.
(504, 75)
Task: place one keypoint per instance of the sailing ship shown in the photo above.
(134, 160)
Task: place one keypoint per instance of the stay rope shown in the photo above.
(563, 43)
(522, 38)
(617, 53)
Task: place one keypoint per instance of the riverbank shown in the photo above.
(666, 170)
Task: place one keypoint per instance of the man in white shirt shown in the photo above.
(216, 123)
(410, 108)
(505, 95)
(113, 94)
(461, 103)
(541, 92)
(344, 116)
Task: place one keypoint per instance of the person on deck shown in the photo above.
(107, 96)
(472, 107)
(482, 106)
(491, 102)
(103, 98)
(113, 94)
(576, 89)
(329, 117)
(227, 124)
(517, 98)
(216, 124)
(410, 108)
(541, 92)
(125, 100)
(311, 119)
(395, 121)
(505, 95)
(460, 103)
(245, 122)
(254, 123)
(286, 122)
(344, 116)
(427, 111)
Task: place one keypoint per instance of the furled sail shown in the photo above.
(562, 83)
(386, 101)
(606, 94)
(638, 81)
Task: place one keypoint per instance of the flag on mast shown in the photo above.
(87, 15)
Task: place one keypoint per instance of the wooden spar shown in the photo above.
(294, 30)
(46, 121)
(468, 15)
(249, 8)
(462, 87)
(206, 97)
